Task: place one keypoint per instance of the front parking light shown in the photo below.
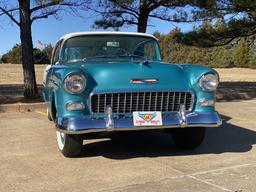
(207, 102)
(72, 106)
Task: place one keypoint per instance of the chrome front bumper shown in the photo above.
(179, 120)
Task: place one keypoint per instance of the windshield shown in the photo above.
(110, 46)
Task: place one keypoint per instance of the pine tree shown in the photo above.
(221, 57)
(243, 55)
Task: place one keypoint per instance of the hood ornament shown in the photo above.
(144, 81)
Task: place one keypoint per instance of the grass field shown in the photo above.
(12, 74)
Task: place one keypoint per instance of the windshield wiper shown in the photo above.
(145, 59)
(99, 56)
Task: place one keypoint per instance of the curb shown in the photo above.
(23, 107)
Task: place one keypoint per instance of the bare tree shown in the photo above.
(23, 14)
(116, 13)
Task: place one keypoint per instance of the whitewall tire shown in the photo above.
(69, 145)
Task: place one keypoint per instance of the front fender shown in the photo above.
(58, 97)
(195, 72)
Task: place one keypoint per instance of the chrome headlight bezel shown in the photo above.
(69, 81)
(209, 82)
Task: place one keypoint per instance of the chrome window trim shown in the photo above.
(70, 35)
(65, 38)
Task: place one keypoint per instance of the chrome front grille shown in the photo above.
(127, 102)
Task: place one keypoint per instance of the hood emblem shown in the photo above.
(144, 81)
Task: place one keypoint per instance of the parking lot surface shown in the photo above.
(226, 161)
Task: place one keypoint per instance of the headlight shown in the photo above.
(75, 83)
(209, 82)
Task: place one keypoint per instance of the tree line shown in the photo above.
(14, 56)
(239, 53)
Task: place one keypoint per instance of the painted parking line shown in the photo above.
(193, 176)
(209, 183)
(41, 113)
(223, 169)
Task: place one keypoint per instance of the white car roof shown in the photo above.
(67, 36)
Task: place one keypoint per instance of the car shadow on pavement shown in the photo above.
(227, 138)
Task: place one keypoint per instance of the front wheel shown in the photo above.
(188, 138)
(69, 145)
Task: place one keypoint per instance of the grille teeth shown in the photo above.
(141, 101)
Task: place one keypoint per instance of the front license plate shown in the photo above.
(147, 118)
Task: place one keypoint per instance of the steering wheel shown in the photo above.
(121, 51)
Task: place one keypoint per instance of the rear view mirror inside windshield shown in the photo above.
(112, 44)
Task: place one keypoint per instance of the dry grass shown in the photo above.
(12, 74)
(237, 74)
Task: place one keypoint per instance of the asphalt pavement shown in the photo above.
(141, 161)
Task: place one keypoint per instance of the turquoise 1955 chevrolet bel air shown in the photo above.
(116, 81)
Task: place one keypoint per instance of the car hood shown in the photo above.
(117, 76)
